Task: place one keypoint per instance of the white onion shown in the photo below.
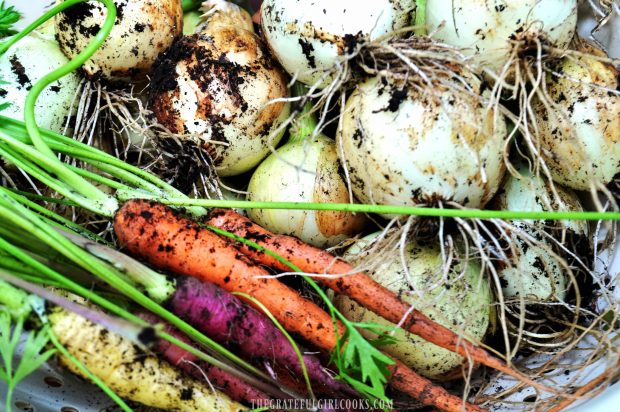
(406, 147)
(143, 29)
(535, 272)
(22, 66)
(217, 85)
(462, 302)
(304, 172)
(580, 132)
(309, 37)
(484, 28)
(527, 192)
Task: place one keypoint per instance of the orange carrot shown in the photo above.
(358, 286)
(170, 241)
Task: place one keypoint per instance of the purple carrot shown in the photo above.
(231, 322)
(234, 387)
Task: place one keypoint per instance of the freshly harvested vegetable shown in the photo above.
(526, 191)
(227, 320)
(308, 39)
(493, 32)
(21, 67)
(170, 241)
(535, 272)
(234, 387)
(403, 145)
(129, 370)
(358, 286)
(304, 170)
(216, 88)
(223, 317)
(425, 288)
(579, 122)
(143, 30)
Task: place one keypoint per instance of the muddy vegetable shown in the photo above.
(486, 30)
(216, 87)
(309, 40)
(21, 67)
(580, 121)
(461, 301)
(130, 371)
(143, 30)
(406, 147)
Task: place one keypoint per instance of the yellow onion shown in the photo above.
(304, 170)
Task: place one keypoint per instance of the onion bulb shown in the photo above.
(485, 29)
(404, 146)
(580, 124)
(22, 66)
(535, 272)
(461, 301)
(304, 171)
(143, 30)
(216, 86)
(309, 38)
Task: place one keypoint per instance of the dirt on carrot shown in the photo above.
(170, 241)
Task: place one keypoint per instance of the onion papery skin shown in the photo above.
(462, 302)
(405, 147)
(308, 37)
(22, 66)
(217, 86)
(304, 172)
(580, 129)
(484, 29)
(143, 30)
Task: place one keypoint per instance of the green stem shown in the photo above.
(190, 5)
(306, 121)
(9, 396)
(420, 18)
(397, 210)
(267, 313)
(33, 162)
(43, 211)
(73, 180)
(14, 299)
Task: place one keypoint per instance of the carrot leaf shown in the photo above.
(362, 365)
(30, 358)
(8, 17)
